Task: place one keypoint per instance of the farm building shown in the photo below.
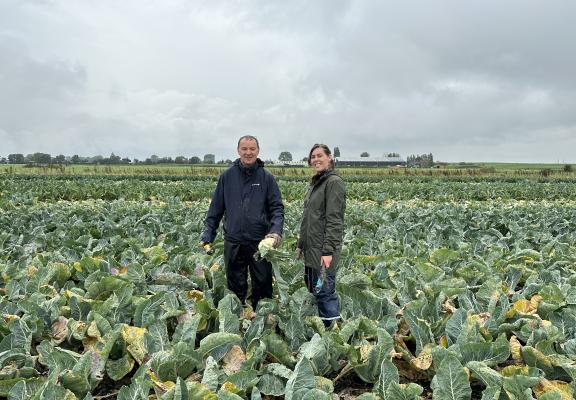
(370, 161)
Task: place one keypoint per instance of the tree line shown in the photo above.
(422, 160)
(47, 159)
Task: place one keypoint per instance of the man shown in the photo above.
(248, 198)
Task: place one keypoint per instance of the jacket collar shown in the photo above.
(320, 177)
(251, 169)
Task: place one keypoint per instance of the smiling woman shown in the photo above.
(321, 232)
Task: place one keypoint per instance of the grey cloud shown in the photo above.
(459, 79)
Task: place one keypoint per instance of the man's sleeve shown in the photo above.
(215, 213)
(275, 207)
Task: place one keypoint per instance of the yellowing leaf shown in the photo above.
(78, 266)
(444, 342)
(60, 330)
(535, 301)
(215, 267)
(365, 351)
(546, 386)
(424, 359)
(523, 306)
(233, 360)
(93, 330)
(229, 386)
(515, 348)
(195, 295)
(162, 386)
(134, 337)
(512, 370)
(10, 317)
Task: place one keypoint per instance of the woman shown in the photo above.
(321, 232)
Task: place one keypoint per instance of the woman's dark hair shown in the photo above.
(326, 151)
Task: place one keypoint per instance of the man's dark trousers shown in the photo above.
(239, 258)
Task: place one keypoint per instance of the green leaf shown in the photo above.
(78, 379)
(301, 382)
(411, 391)
(148, 311)
(224, 394)
(451, 381)
(315, 350)
(211, 374)
(187, 329)
(180, 361)
(217, 344)
(443, 255)
(491, 393)
(388, 375)
(244, 380)
(20, 388)
(229, 309)
(278, 350)
(419, 327)
(490, 353)
(272, 385)
(314, 394)
(139, 389)
(118, 369)
(484, 373)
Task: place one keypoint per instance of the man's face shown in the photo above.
(248, 151)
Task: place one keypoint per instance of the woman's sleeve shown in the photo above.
(335, 207)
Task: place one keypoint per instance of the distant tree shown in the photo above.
(15, 158)
(567, 167)
(60, 159)
(305, 159)
(365, 154)
(421, 161)
(392, 155)
(96, 159)
(75, 159)
(126, 160)
(41, 158)
(195, 160)
(285, 156)
(154, 159)
(113, 159)
(209, 158)
(336, 152)
(180, 160)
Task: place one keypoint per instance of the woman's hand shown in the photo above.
(326, 261)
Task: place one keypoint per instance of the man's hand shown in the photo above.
(207, 247)
(277, 238)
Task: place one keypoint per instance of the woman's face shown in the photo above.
(319, 160)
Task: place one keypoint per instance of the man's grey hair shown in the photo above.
(249, 137)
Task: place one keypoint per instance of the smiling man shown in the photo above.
(248, 198)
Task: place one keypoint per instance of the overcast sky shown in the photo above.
(484, 80)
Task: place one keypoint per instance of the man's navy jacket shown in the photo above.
(250, 202)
